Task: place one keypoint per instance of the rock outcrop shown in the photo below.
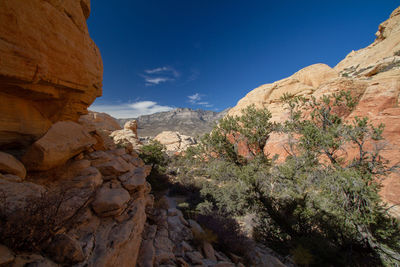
(174, 141)
(50, 69)
(63, 140)
(100, 213)
(68, 197)
(99, 121)
(372, 75)
(127, 137)
(171, 240)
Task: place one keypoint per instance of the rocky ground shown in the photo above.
(171, 240)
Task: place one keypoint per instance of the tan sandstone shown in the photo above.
(64, 140)
(10, 165)
(50, 69)
(174, 141)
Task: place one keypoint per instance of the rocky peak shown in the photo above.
(184, 120)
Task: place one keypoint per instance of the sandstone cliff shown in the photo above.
(372, 74)
(67, 195)
(50, 69)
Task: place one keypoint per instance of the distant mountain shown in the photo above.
(183, 120)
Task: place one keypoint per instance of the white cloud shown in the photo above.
(156, 70)
(195, 100)
(160, 75)
(131, 110)
(155, 80)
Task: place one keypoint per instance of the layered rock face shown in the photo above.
(50, 69)
(68, 197)
(100, 197)
(98, 120)
(372, 74)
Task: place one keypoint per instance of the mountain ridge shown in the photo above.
(186, 121)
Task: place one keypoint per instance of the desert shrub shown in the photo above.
(30, 228)
(318, 202)
(226, 231)
(154, 154)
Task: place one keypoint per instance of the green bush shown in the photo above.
(153, 154)
(317, 203)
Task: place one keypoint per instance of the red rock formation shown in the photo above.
(50, 69)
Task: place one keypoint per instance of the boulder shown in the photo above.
(63, 141)
(208, 251)
(174, 141)
(18, 195)
(99, 121)
(126, 138)
(135, 160)
(110, 201)
(131, 126)
(99, 157)
(146, 254)
(66, 250)
(195, 257)
(10, 165)
(50, 68)
(115, 167)
(134, 179)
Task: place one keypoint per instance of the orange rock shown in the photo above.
(50, 69)
(64, 140)
(9, 164)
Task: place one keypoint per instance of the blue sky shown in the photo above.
(163, 54)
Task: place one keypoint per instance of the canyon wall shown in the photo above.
(50, 68)
(372, 75)
(68, 196)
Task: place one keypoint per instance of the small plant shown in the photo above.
(153, 154)
(30, 227)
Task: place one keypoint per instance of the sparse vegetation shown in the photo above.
(318, 205)
(29, 227)
(154, 154)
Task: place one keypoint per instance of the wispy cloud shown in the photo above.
(156, 80)
(131, 110)
(160, 75)
(196, 98)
